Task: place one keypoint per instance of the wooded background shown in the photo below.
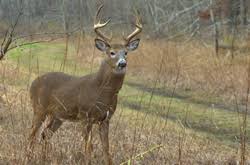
(161, 18)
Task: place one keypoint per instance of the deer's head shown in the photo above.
(116, 53)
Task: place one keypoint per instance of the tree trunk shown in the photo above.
(243, 12)
(66, 28)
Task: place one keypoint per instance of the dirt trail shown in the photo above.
(163, 92)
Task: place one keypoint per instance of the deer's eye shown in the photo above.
(126, 53)
(112, 54)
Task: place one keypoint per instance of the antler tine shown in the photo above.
(98, 25)
(138, 29)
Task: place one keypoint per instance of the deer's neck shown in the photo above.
(106, 79)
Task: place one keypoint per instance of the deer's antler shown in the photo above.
(138, 29)
(98, 25)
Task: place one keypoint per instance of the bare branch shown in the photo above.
(8, 37)
(31, 43)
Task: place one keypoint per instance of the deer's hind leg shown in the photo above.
(87, 131)
(38, 118)
(51, 128)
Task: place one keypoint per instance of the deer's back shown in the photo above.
(44, 85)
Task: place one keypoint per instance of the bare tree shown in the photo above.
(243, 12)
(8, 37)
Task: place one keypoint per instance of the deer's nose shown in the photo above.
(122, 63)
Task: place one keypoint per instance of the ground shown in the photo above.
(174, 108)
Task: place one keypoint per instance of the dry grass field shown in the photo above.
(180, 104)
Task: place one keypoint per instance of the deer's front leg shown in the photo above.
(104, 133)
(88, 144)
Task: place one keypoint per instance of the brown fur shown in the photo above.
(91, 99)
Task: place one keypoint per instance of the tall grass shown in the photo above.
(179, 104)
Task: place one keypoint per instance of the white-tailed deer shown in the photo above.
(90, 99)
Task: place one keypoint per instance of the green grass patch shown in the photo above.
(46, 57)
(208, 119)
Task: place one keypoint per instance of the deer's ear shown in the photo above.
(101, 45)
(132, 45)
